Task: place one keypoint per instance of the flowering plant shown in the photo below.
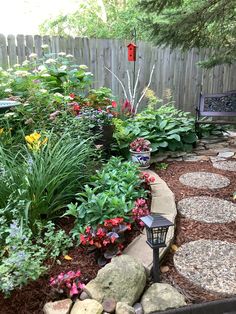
(34, 141)
(95, 117)
(140, 145)
(107, 238)
(68, 282)
(140, 210)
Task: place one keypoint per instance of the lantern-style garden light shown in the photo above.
(156, 228)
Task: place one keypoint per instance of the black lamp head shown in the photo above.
(157, 227)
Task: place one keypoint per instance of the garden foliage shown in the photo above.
(167, 128)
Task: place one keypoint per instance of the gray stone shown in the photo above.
(58, 307)
(193, 158)
(124, 308)
(109, 305)
(138, 308)
(175, 159)
(160, 297)
(215, 159)
(87, 307)
(84, 296)
(123, 279)
(204, 180)
(209, 264)
(229, 165)
(226, 154)
(177, 154)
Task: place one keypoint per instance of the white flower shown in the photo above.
(69, 56)
(48, 61)
(17, 65)
(9, 70)
(58, 95)
(62, 68)
(45, 75)
(26, 62)
(9, 114)
(42, 68)
(22, 73)
(61, 54)
(8, 90)
(1, 68)
(44, 46)
(43, 91)
(33, 55)
(83, 67)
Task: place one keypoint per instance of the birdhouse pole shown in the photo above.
(132, 53)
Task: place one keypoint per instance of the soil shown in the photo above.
(190, 230)
(31, 298)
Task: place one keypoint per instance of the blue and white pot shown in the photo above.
(141, 158)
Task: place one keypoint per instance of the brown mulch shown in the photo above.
(191, 230)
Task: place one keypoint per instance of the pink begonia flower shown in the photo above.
(74, 289)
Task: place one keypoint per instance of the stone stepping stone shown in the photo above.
(207, 209)
(210, 264)
(229, 165)
(204, 180)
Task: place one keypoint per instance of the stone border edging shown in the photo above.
(163, 202)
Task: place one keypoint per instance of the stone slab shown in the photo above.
(163, 202)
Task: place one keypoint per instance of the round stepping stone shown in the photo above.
(204, 180)
(209, 264)
(207, 209)
(225, 165)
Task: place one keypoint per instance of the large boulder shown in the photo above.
(161, 296)
(87, 307)
(123, 280)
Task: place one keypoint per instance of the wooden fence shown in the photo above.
(173, 69)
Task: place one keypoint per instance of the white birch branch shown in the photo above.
(136, 85)
(124, 91)
(144, 91)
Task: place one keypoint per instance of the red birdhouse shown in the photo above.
(131, 52)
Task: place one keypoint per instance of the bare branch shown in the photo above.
(122, 85)
(144, 91)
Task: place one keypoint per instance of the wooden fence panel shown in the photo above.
(174, 69)
(11, 43)
(3, 52)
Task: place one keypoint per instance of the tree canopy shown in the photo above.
(99, 19)
(194, 23)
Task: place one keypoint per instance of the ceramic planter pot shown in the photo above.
(141, 158)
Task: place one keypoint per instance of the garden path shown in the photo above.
(210, 264)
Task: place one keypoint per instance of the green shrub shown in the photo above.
(166, 128)
(112, 193)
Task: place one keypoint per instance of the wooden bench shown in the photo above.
(216, 106)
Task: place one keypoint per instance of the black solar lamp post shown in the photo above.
(156, 228)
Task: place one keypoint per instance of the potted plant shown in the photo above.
(140, 150)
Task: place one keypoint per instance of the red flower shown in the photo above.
(72, 95)
(83, 239)
(87, 230)
(100, 233)
(76, 107)
(114, 104)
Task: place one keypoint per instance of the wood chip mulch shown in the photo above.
(190, 230)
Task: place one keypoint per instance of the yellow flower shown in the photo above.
(1, 131)
(29, 139)
(67, 257)
(36, 136)
(44, 141)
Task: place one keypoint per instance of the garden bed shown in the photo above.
(191, 230)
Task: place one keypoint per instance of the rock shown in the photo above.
(175, 159)
(123, 279)
(84, 296)
(226, 154)
(164, 269)
(161, 296)
(58, 307)
(192, 158)
(124, 308)
(215, 159)
(138, 308)
(177, 154)
(109, 305)
(87, 306)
